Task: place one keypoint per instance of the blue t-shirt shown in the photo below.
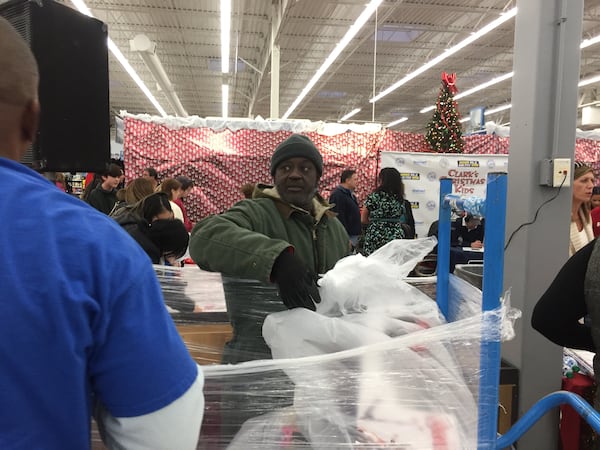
(81, 317)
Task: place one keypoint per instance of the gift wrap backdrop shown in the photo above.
(221, 161)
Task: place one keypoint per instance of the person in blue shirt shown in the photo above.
(345, 204)
(83, 324)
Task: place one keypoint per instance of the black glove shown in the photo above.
(297, 283)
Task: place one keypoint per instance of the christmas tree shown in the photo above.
(444, 133)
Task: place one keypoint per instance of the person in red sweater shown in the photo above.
(186, 186)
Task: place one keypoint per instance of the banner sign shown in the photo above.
(421, 173)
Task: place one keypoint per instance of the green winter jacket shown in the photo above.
(243, 243)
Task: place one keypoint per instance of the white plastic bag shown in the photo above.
(362, 379)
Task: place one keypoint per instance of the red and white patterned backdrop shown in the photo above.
(220, 162)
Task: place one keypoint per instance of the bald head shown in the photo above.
(19, 74)
(19, 108)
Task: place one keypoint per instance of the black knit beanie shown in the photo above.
(297, 145)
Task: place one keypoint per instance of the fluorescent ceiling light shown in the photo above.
(225, 95)
(485, 85)
(354, 29)
(587, 42)
(489, 112)
(468, 92)
(589, 104)
(81, 6)
(588, 81)
(225, 34)
(449, 52)
(350, 114)
(498, 109)
(396, 122)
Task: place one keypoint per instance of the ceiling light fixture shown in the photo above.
(594, 103)
(354, 29)
(147, 51)
(485, 85)
(498, 109)
(587, 42)
(468, 92)
(488, 112)
(396, 122)
(504, 17)
(82, 8)
(225, 34)
(350, 114)
(588, 81)
(225, 43)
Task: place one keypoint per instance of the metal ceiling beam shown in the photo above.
(278, 10)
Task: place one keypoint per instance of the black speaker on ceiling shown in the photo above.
(72, 54)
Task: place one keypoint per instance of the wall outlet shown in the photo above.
(555, 172)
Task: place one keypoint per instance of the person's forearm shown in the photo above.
(175, 426)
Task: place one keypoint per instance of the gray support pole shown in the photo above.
(274, 82)
(543, 122)
(276, 17)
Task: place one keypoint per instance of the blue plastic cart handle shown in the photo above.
(544, 405)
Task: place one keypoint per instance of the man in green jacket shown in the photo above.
(270, 249)
(285, 234)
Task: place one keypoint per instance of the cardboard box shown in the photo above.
(205, 341)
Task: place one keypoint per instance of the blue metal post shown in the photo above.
(443, 252)
(493, 274)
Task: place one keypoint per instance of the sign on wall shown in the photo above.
(421, 173)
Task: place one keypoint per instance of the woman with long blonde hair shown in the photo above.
(581, 232)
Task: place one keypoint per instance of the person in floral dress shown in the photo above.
(386, 213)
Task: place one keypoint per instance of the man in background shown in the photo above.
(468, 231)
(345, 204)
(104, 195)
(152, 175)
(83, 325)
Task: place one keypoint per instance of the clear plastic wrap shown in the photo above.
(375, 367)
(415, 391)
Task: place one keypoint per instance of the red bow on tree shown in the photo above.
(449, 79)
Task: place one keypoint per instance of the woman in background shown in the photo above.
(186, 188)
(60, 181)
(164, 239)
(150, 222)
(137, 189)
(581, 232)
(387, 214)
(172, 188)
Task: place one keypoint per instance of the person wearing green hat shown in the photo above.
(281, 239)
